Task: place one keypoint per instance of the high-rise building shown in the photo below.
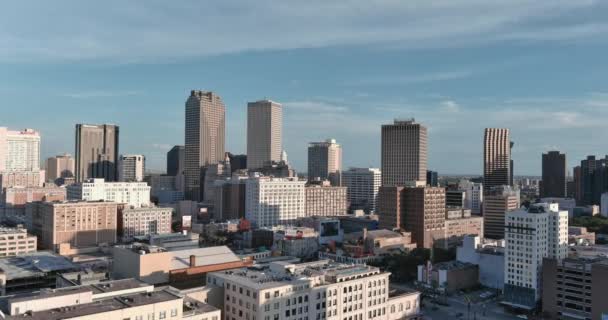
(237, 161)
(264, 133)
(136, 194)
(424, 214)
(325, 161)
(313, 290)
(205, 138)
(230, 198)
(325, 200)
(432, 178)
(473, 199)
(131, 168)
(96, 152)
(455, 198)
(554, 175)
(362, 187)
(593, 180)
(390, 207)
(81, 224)
(175, 160)
(496, 158)
(604, 205)
(539, 232)
(497, 202)
(404, 152)
(274, 201)
(61, 166)
(19, 150)
(575, 288)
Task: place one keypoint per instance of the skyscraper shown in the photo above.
(61, 166)
(593, 180)
(205, 137)
(131, 168)
(424, 214)
(554, 175)
(175, 160)
(325, 161)
(404, 152)
(362, 188)
(264, 133)
(19, 150)
(496, 203)
(96, 151)
(497, 158)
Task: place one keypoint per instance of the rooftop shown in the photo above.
(204, 257)
(34, 264)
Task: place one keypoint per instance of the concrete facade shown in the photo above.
(274, 201)
(325, 200)
(143, 221)
(96, 152)
(325, 161)
(131, 167)
(497, 202)
(404, 152)
(264, 133)
(496, 158)
(19, 150)
(488, 255)
(61, 166)
(363, 185)
(136, 194)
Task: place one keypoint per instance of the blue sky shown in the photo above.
(341, 69)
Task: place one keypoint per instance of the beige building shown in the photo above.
(496, 158)
(204, 138)
(21, 179)
(264, 133)
(404, 152)
(14, 199)
(325, 200)
(143, 221)
(96, 151)
(497, 202)
(62, 166)
(19, 150)
(81, 224)
(325, 161)
(131, 167)
(16, 241)
(458, 224)
(424, 214)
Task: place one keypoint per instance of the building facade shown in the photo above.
(97, 151)
(19, 150)
(497, 202)
(390, 207)
(16, 241)
(131, 168)
(473, 199)
(554, 175)
(274, 201)
(81, 224)
(61, 166)
(264, 133)
(362, 188)
(175, 160)
(204, 138)
(325, 200)
(424, 214)
(530, 235)
(134, 222)
(496, 158)
(593, 180)
(136, 194)
(404, 152)
(14, 199)
(325, 161)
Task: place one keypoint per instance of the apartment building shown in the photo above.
(274, 201)
(326, 200)
(143, 221)
(362, 187)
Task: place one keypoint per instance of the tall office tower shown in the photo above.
(19, 150)
(539, 232)
(554, 175)
(404, 152)
(54, 223)
(96, 151)
(496, 203)
(594, 180)
(424, 214)
(577, 191)
(175, 160)
(264, 133)
(61, 166)
(362, 188)
(325, 161)
(131, 168)
(274, 201)
(496, 158)
(432, 178)
(205, 137)
(473, 198)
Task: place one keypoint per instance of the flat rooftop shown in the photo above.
(35, 264)
(203, 257)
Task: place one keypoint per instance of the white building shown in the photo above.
(473, 199)
(135, 194)
(274, 201)
(604, 205)
(363, 185)
(315, 290)
(143, 221)
(539, 232)
(489, 255)
(565, 204)
(19, 150)
(131, 167)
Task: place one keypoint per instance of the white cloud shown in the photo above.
(449, 106)
(150, 30)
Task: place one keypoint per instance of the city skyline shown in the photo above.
(456, 82)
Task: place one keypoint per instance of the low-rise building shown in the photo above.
(489, 255)
(143, 221)
(16, 241)
(14, 199)
(459, 223)
(449, 276)
(135, 194)
(298, 242)
(580, 236)
(575, 288)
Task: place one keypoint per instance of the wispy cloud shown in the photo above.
(151, 30)
(411, 79)
(99, 94)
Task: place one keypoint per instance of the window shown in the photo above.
(162, 315)
(173, 312)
